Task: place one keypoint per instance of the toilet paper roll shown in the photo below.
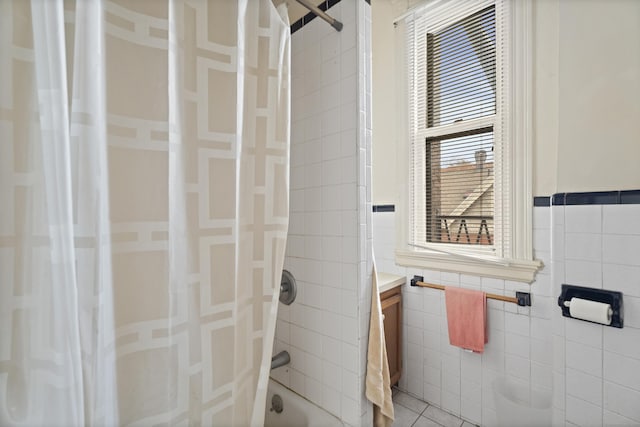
(591, 310)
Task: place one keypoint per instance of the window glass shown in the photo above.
(461, 70)
(459, 173)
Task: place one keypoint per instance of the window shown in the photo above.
(468, 207)
(461, 86)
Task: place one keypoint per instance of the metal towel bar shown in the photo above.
(521, 298)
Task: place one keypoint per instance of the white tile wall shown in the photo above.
(461, 382)
(600, 363)
(593, 371)
(329, 242)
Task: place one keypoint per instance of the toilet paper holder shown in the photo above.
(613, 298)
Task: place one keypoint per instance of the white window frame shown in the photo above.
(516, 261)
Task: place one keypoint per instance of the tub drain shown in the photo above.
(276, 403)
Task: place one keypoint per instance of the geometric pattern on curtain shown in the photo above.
(175, 149)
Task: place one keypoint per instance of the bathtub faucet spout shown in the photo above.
(280, 359)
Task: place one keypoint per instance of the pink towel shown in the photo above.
(467, 318)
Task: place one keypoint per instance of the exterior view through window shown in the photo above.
(459, 165)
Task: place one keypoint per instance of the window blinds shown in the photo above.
(459, 184)
(461, 70)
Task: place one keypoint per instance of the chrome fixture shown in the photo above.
(316, 11)
(280, 359)
(288, 288)
(276, 404)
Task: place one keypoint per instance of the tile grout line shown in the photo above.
(601, 207)
(422, 413)
(425, 409)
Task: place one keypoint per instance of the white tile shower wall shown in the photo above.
(519, 344)
(364, 199)
(329, 242)
(592, 370)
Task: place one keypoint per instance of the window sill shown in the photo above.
(516, 270)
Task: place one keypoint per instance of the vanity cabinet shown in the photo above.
(391, 302)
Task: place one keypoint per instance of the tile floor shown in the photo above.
(412, 412)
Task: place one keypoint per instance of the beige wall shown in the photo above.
(295, 9)
(586, 96)
(599, 95)
(383, 103)
(545, 87)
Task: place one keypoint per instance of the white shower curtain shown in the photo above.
(144, 168)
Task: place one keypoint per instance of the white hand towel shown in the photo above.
(377, 383)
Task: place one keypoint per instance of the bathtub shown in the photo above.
(296, 410)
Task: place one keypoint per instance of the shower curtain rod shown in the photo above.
(316, 11)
